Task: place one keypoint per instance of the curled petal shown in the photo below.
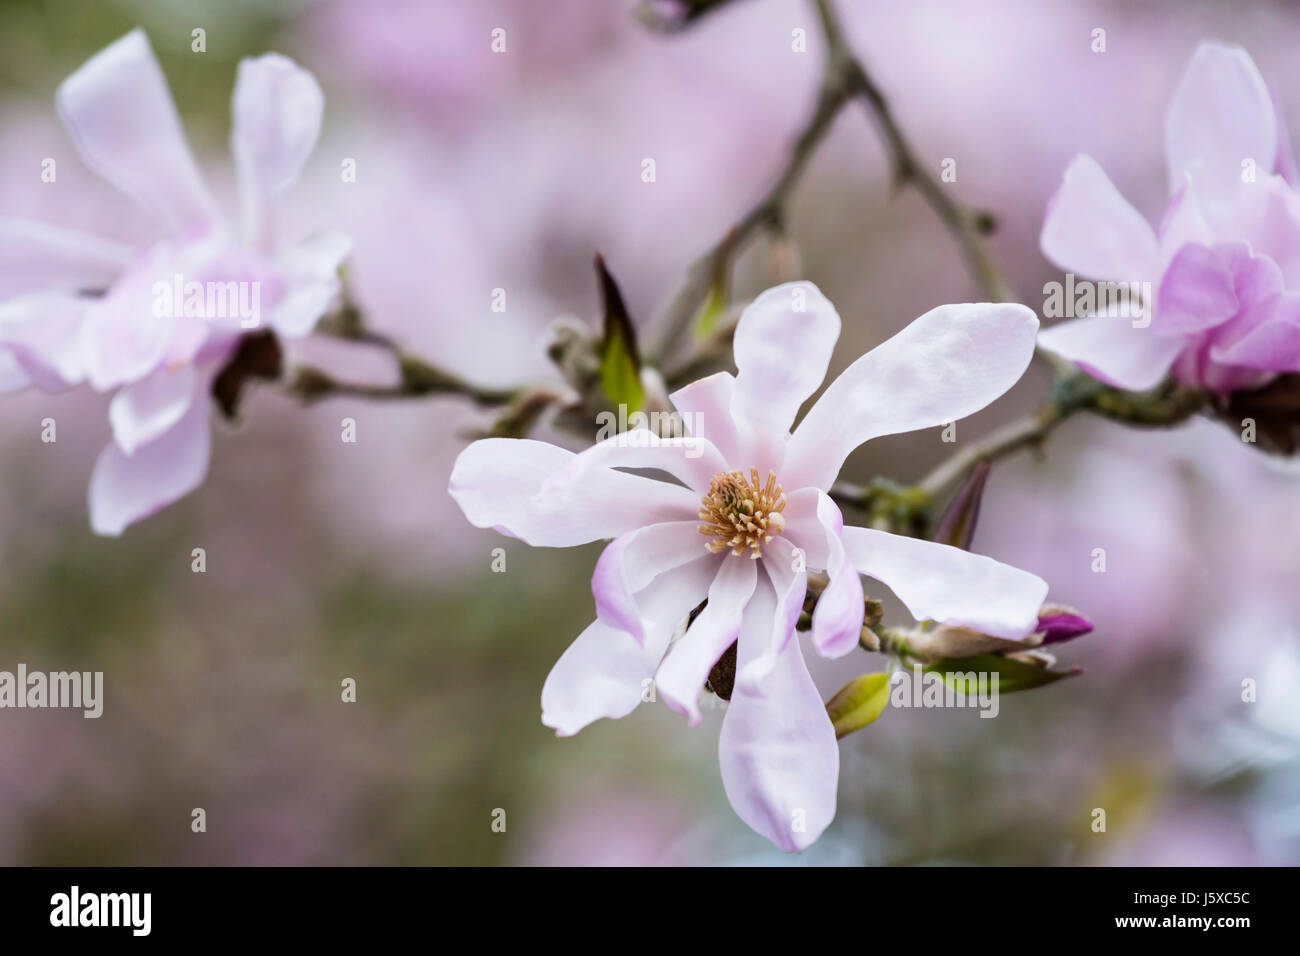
(789, 579)
(126, 488)
(814, 527)
(631, 561)
(947, 364)
(1273, 344)
(950, 586)
(605, 672)
(682, 674)
(143, 411)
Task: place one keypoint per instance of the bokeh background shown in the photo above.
(328, 560)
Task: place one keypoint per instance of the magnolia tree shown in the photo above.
(728, 525)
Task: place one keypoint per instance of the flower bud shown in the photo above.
(1057, 623)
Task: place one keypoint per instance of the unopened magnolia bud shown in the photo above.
(957, 526)
(1057, 623)
(949, 640)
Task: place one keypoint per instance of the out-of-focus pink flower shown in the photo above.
(83, 309)
(1225, 262)
(778, 754)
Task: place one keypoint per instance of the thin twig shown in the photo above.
(968, 226)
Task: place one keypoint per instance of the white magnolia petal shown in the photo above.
(1090, 229)
(681, 676)
(948, 363)
(126, 488)
(606, 673)
(692, 460)
(1108, 347)
(35, 257)
(276, 110)
(631, 562)
(121, 116)
(947, 585)
(779, 758)
(783, 345)
(1220, 115)
(143, 411)
(497, 483)
(40, 333)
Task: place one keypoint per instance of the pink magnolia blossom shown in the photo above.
(83, 309)
(749, 515)
(1225, 261)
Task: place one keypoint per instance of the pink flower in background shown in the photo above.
(83, 309)
(1225, 262)
(750, 514)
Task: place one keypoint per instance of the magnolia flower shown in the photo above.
(1225, 261)
(747, 515)
(156, 324)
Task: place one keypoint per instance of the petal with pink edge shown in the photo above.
(1108, 347)
(126, 488)
(1273, 344)
(631, 561)
(948, 585)
(814, 527)
(605, 672)
(121, 116)
(778, 754)
(948, 363)
(497, 483)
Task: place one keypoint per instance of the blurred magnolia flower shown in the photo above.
(157, 324)
(778, 754)
(1225, 262)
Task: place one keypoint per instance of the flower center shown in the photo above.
(739, 513)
